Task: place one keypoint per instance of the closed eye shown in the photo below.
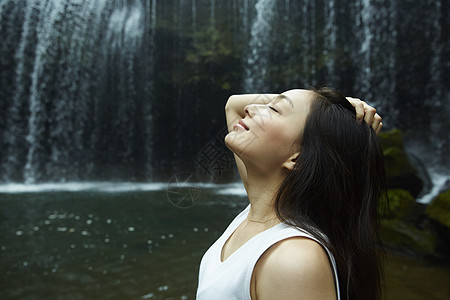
(272, 108)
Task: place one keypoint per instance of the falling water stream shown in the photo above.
(84, 93)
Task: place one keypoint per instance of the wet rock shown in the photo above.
(400, 173)
(439, 210)
(401, 205)
(399, 235)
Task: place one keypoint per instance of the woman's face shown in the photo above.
(269, 133)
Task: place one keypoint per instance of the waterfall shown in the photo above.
(39, 115)
(194, 19)
(364, 34)
(440, 96)
(257, 60)
(76, 65)
(330, 41)
(245, 16)
(15, 129)
(113, 89)
(309, 35)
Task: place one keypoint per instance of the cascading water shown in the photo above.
(364, 34)
(330, 40)
(55, 120)
(259, 47)
(382, 72)
(131, 89)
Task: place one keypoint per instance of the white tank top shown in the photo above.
(230, 279)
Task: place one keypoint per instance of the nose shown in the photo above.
(253, 109)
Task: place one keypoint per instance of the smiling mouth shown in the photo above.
(241, 122)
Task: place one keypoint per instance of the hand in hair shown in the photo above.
(367, 113)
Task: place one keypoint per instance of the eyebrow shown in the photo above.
(284, 97)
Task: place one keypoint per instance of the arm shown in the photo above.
(234, 111)
(295, 268)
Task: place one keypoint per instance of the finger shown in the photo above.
(379, 128)
(369, 114)
(359, 107)
(376, 122)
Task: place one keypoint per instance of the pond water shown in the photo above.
(138, 244)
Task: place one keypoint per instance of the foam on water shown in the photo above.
(118, 187)
(439, 181)
(233, 190)
(111, 187)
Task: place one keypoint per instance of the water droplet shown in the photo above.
(148, 296)
(35, 228)
(84, 232)
(130, 228)
(46, 222)
(25, 263)
(122, 257)
(205, 229)
(163, 288)
(77, 217)
(90, 268)
(195, 229)
(19, 232)
(106, 240)
(72, 246)
(108, 221)
(88, 222)
(170, 235)
(125, 246)
(149, 242)
(72, 230)
(61, 229)
(163, 237)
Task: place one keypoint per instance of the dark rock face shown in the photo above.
(134, 90)
(439, 210)
(399, 171)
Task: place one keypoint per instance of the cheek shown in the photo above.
(268, 147)
(275, 144)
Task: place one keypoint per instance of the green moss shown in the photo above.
(402, 236)
(400, 173)
(392, 138)
(439, 209)
(401, 204)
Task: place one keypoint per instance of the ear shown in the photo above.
(290, 162)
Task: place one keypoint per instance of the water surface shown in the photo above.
(121, 241)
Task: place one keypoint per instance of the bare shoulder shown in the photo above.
(294, 268)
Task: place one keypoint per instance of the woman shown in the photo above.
(313, 173)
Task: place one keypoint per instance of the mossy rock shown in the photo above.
(400, 174)
(401, 236)
(439, 209)
(401, 204)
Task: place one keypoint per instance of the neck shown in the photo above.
(261, 191)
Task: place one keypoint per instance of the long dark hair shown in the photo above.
(334, 189)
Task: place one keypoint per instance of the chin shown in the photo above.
(229, 141)
(232, 142)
